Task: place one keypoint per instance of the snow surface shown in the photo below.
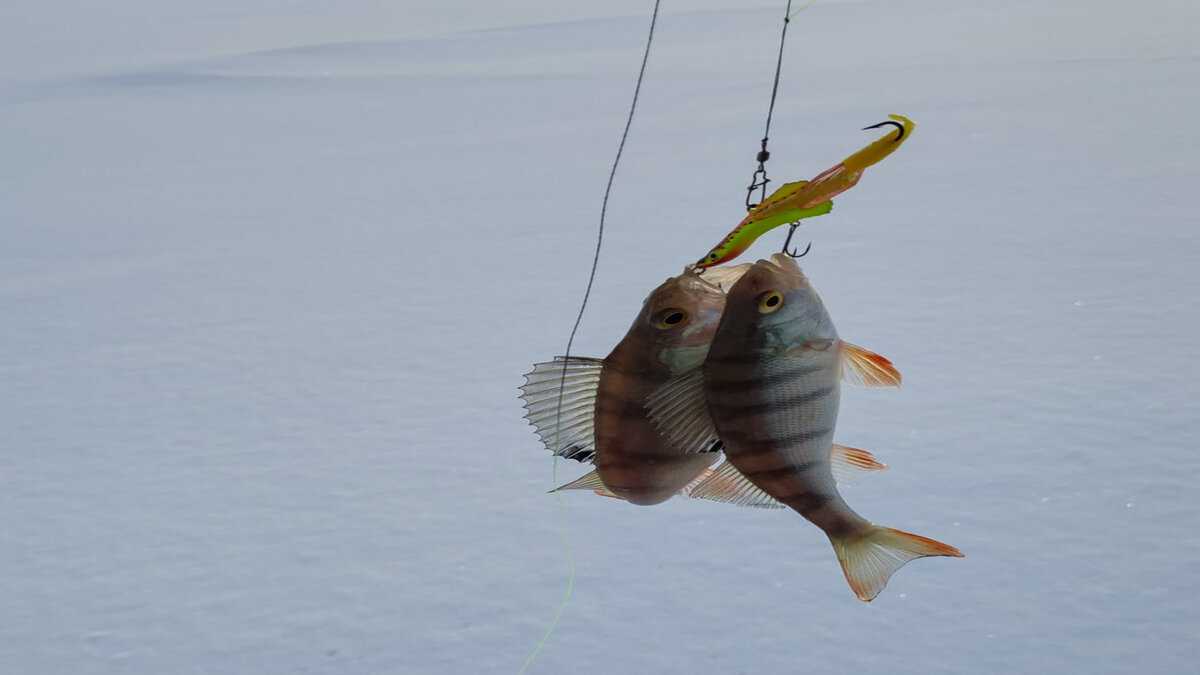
(271, 270)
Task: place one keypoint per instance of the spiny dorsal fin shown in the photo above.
(679, 410)
(727, 484)
(568, 431)
(866, 368)
(849, 463)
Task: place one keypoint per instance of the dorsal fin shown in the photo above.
(568, 431)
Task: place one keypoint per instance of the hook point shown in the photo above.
(887, 123)
(787, 241)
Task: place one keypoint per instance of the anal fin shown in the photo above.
(588, 481)
(848, 463)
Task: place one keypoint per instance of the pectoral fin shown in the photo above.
(681, 414)
(567, 430)
(866, 368)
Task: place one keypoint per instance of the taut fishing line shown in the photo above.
(563, 529)
(759, 180)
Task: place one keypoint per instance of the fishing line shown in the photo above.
(563, 524)
(759, 180)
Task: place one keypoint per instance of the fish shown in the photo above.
(603, 419)
(807, 198)
(769, 388)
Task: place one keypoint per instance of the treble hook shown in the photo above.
(895, 124)
(787, 241)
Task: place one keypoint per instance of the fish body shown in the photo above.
(603, 418)
(770, 386)
(633, 458)
(804, 199)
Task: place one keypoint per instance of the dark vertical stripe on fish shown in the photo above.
(759, 408)
(746, 445)
(756, 382)
(790, 470)
(737, 359)
(634, 373)
(806, 502)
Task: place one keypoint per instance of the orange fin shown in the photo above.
(606, 493)
(866, 368)
(848, 462)
(869, 560)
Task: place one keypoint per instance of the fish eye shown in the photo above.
(712, 256)
(770, 301)
(670, 318)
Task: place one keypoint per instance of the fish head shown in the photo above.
(679, 319)
(773, 305)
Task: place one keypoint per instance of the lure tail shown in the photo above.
(869, 560)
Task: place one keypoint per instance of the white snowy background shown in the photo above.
(271, 270)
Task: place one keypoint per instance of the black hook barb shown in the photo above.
(883, 124)
(787, 241)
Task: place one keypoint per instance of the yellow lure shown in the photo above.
(805, 199)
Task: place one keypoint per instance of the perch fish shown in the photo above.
(769, 389)
(603, 417)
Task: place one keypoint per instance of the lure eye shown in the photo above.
(712, 256)
(670, 318)
(770, 301)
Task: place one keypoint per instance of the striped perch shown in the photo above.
(769, 389)
(603, 418)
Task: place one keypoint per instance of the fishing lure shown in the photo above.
(807, 198)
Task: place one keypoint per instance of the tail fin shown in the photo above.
(868, 561)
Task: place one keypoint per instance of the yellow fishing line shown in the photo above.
(564, 530)
(810, 4)
(563, 522)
